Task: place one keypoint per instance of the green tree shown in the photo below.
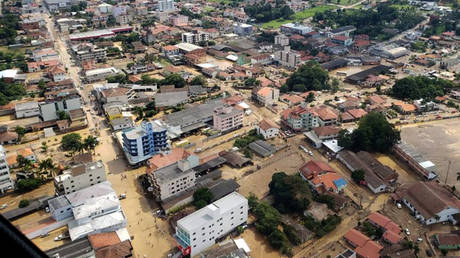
(24, 203)
(417, 87)
(291, 193)
(308, 77)
(374, 134)
(44, 147)
(90, 143)
(202, 197)
(71, 142)
(358, 175)
(174, 79)
(21, 131)
(24, 163)
(198, 80)
(62, 115)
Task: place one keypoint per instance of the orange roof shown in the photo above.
(264, 91)
(293, 99)
(327, 180)
(326, 130)
(103, 239)
(405, 106)
(384, 222)
(314, 167)
(325, 113)
(169, 48)
(392, 237)
(12, 160)
(267, 124)
(162, 160)
(356, 238)
(357, 113)
(26, 152)
(370, 250)
(376, 99)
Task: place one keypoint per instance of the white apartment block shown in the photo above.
(194, 38)
(227, 118)
(5, 177)
(87, 51)
(199, 230)
(79, 177)
(165, 5)
(287, 57)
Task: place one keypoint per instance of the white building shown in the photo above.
(5, 177)
(287, 57)
(79, 177)
(92, 210)
(268, 129)
(48, 109)
(101, 74)
(88, 51)
(194, 38)
(242, 29)
(27, 109)
(282, 40)
(295, 28)
(199, 230)
(166, 5)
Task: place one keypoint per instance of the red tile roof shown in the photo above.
(326, 130)
(103, 239)
(370, 250)
(163, 160)
(384, 222)
(357, 113)
(356, 238)
(392, 237)
(314, 167)
(267, 124)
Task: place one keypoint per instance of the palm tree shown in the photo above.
(90, 143)
(46, 166)
(44, 147)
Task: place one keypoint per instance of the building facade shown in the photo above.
(287, 57)
(48, 109)
(79, 177)
(199, 230)
(142, 142)
(5, 177)
(227, 118)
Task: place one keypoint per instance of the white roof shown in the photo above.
(9, 73)
(101, 71)
(233, 58)
(333, 145)
(206, 65)
(244, 105)
(240, 243)
(427, 164)
(123, 234)
(187, 46)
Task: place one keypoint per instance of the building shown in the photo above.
(300, 118)
(227, 118)
(287, 57)
(142, 142)
(268, 129)
(199, 230)
(195, 38)
(295, 28)
(447, 241)
(5, 177)
(92, 210)
(44, 54)
(49, 109)
(26, 109)
(243, 29)
(166, 5)
(100, 74)
(87, 51)
(105, 33)
(341, 31)
(122, 123)
(342, 40)
(178, 20)
(161, 160)
(320, 134)
(262, 148)
(171, 99)
(117, 95)
(391, 230)
(266, 96)
(322, 177)
(364, 246)
(55, 5)
(390, 51)
(429, 201)
(79, 177)
(57, 73)
(174, 179)
(282, 40)
(410, 156)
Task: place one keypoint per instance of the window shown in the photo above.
(194, 233)
(194, 239)
(91, 180)
(90, 175)
(221, 224)
(62, 211)
(194, 246)
(203, 234)
(231, 212)
(231, 217)
(241, 212)
(71, 182)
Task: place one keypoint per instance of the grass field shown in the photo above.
(345, 2)
(299, 16)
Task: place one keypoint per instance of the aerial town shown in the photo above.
(230, 128)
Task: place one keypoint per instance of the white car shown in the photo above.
(398, 205)
(3, 206)
(407, 231)
(419, 239)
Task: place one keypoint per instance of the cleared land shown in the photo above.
(299, 16)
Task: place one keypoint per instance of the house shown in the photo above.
(266, 96)
(342, 40)
(429, 201)
(8, 138)
(161, 160)
(57, 73)
(114, 95)
(268, 129)
(235, 159)
(291, 99)
(447, 241)
(122, 123)
(364, 246)
(313, 168)
(263, 59)
(322, 177)
(391, 230)
(357, 113)
(320, 134)
(404, 108)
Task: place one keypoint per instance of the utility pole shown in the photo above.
(448, 170)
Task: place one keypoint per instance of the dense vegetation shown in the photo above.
(243, 141)
(265, 12)
(418, 87)
(10, 91)
(323, 227)
(440, 24)
(9, 24)
(74, 143)
(10, 59)
(374, 134)
(309, 76)
(373, 21)
(291, 193)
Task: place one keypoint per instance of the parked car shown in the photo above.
(3, 206)
(122, 196)
(407, 231)
(47, 209)
(399, 205)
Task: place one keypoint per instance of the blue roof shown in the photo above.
(339, 183)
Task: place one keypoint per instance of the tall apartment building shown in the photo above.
(282, 40)
(5, 177)
(194, 38)
(199, 230)
(142, 142)
(175, 178)
(87, 51)
(266, 96)
(287, 57)
(166, 5)
(227, 118)
(243, 29)
(79, 177)
(302, 118)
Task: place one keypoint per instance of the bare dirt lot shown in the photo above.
(439, 142)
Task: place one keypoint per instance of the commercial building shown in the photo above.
(321, 134)
(87, 51)
(142, 142)
(227, 118)
(5, 177)
(295, 28)
(106, 33)
(415, 160)
(262, 148)
(430, 202)
(287, 57)
(242, 29)
(199, 230)
(171, 99)
(79, 177)
(389, 51)
(27, 109)
(100, 74)
(341, 31)
(174, 179)
(49, 108)
(92, 210)
(282, 40)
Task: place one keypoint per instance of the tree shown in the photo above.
(62, 115)
(23, 163)
(202, 197)
(358, 176)
(374, 134)
(291, 193)
(111, 20)
(46, 166)
(174, 79)
(90, 143)
(26, 185)
(44, 147)
(310, 98)
(308, 77)
(71, 142)
(418, 87)
(23, 203)
(335, 85)
(21, 131)
(198, 80)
